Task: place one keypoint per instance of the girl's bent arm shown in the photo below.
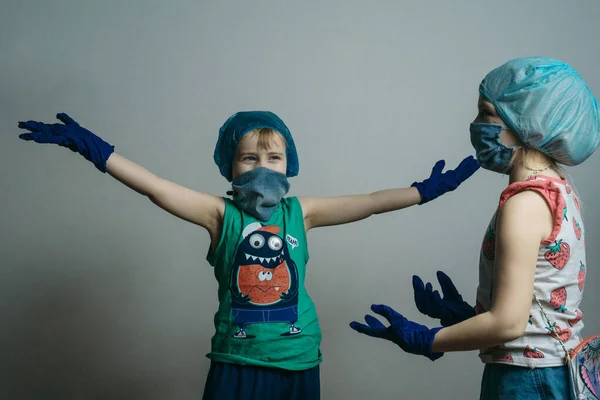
(523, 222)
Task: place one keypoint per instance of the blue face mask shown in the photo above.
(491, 153)
(259, 191)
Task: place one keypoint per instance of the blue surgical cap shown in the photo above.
(240, 123)
(547, 105)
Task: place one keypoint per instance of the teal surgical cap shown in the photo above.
(240, 123)
(547, 105)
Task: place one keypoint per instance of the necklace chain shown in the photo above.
(536, 172)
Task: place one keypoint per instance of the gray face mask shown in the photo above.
(259, 191)
(491, 153)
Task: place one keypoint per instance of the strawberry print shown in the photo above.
(488, 247)
(558, 254)
(563, 333)
(504, 357)
(568, 188)
(558, 299)
(577, 318)
(577, 205)
(565, 214)
(581, 276)
(532, 353)
(577, 229)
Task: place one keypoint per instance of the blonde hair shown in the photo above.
(266, 137)
(532, 159)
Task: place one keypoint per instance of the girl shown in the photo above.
(267, 336)
(534, 113)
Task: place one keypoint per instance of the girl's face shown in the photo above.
(487, 115)
(249, 155)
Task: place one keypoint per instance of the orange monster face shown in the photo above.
(262, 285)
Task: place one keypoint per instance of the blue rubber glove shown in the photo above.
(71, 135)
(410, 336)
(450, 310)
(439, 183)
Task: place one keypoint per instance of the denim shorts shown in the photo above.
(511, 382)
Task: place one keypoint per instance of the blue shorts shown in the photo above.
(227, 381)
(244, 316)
(502, 381)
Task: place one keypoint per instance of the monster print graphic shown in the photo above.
(263, 281)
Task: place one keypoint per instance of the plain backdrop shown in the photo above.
(105, 296)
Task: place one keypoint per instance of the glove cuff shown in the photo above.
(430, 354)
(102, 151)
(458, 316)
(421, 188)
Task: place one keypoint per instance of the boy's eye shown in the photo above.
(275, 157)
(249, 158)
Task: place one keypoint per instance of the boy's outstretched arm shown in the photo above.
(326, 211)
(199, 208)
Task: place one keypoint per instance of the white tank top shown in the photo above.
(559, 280)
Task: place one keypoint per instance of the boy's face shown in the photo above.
(249, 155)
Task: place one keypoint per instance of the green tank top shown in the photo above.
(265, 316)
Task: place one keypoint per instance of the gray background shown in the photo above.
(105, 296)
